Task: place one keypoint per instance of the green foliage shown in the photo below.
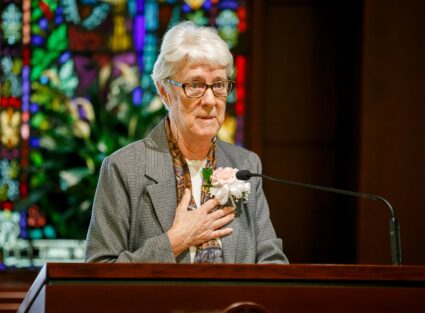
(75, 136)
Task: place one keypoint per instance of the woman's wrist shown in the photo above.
(176, 242)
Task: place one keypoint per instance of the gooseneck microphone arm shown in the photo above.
(394, 224)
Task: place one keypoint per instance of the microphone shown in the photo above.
(394, 224)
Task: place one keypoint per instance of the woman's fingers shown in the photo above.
(219, 233)
(220, 222)
(222, 212)
(209, 205)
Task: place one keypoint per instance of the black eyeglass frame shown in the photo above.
(183, 86)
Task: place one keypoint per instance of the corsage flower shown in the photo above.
(224, 186)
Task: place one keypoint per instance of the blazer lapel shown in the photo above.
(162, 192)
(159, 169)
(229, 242)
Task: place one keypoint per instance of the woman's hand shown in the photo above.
(191, 228)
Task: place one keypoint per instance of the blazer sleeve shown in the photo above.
(269, 247)
(109, 230)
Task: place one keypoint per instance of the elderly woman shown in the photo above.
(155, 200)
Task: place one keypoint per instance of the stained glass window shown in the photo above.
(75, 86)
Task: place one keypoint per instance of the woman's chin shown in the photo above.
(206, 132)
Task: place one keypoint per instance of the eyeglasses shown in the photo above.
(197, 89)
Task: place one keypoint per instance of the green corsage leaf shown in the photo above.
(206, 175)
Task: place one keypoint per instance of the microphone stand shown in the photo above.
(394, 224)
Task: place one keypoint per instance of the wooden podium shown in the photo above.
(177, 288)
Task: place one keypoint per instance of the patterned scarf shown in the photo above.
(210, 251)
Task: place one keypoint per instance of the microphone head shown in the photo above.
(243, 175)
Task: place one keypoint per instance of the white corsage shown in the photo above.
(224, 186)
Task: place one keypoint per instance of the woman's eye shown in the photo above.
(196, 85)
(219, 85)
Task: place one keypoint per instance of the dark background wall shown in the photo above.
(338, 100)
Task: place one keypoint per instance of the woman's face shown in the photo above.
(197, 118)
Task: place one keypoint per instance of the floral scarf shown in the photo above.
(208, 252)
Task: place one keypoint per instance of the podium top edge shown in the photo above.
(292, 272)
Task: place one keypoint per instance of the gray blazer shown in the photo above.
(135, 203)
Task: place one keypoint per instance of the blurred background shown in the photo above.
(337, 99)
(327, 92)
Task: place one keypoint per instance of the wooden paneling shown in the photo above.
(340, 101)
(14, 284)
(310, 52)
(393, 127)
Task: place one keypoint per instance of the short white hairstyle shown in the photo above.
(187, 43)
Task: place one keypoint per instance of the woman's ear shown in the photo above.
(162, 90)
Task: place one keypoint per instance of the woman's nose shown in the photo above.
(208, 97)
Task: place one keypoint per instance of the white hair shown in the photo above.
(186, 42)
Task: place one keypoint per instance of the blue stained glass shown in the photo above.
(43, 23)
(13, 192)
(151, 42)
(81, 113)
(64, 57)
(132, 7)
(137, 96)
(37, 40)
(207, 5)
(25, 102)
(34, 107)
(23, 220)
(229, 4)
(11, 24)
(44, 80)
(49, 231)
(228, 19)
(89, 1)
(146, 81)
(186, 8)
(147, 96)
(23, 233)
(149, 62)
(26, 72)
(151, 11)
(25, 86)
(232, 96)
(58, 19)
(150, 52)
(140, 61)
(35, 142)
(7, 64)
(175, 16)
(100, 12)
(35, 233)
(140, 6)
(139, 33)
(25, 81)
